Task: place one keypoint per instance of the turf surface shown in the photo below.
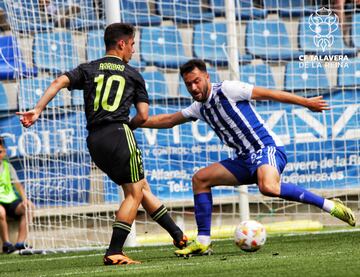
(334, 254)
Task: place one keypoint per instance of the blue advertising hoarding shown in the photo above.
(57, 168)
(323, 150)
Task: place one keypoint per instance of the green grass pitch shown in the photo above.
(324, 254)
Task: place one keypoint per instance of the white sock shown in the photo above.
(328, 205)
(205, 240)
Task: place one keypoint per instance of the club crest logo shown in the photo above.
(323, 23)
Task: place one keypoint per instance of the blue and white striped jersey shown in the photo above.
(233, 118)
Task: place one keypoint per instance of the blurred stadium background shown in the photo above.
(307, 47)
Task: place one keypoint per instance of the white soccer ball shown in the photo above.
(250, 235)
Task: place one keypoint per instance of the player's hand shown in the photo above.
(25, 202)
(28, 118)
(317, 104)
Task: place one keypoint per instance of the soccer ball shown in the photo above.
(250, 235)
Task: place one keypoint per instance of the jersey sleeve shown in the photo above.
(237, 91)
(192, 112)
(76, 77)
(141, 94)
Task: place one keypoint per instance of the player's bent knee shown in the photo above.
(197, 184)
(265, 191)
(134, 197)
(269, 190)
(200, 179)
(136, 194)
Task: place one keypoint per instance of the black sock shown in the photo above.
(162, 217)
(119, 235)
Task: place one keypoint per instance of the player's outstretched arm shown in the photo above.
(142, 114)
(28, 118)
(315, 104)
(20, 189)
(162, 121)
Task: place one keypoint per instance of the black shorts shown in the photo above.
(11, 207)
(114, 150)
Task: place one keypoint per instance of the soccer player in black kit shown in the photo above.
(110, 87)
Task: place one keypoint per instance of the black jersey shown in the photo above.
(110, 88)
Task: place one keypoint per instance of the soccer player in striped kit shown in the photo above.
(260, 155)
(110, 88)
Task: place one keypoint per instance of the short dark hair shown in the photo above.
(116, 31)
(2, 141)
(191, 65)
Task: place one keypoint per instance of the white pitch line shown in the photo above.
(186, 264)
(166, 249)
(133, 268)
(70, 257)
(49, 259)
(317, 233)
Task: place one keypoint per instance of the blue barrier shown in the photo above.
(322, 148)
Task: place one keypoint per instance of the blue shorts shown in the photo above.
(244, 167)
